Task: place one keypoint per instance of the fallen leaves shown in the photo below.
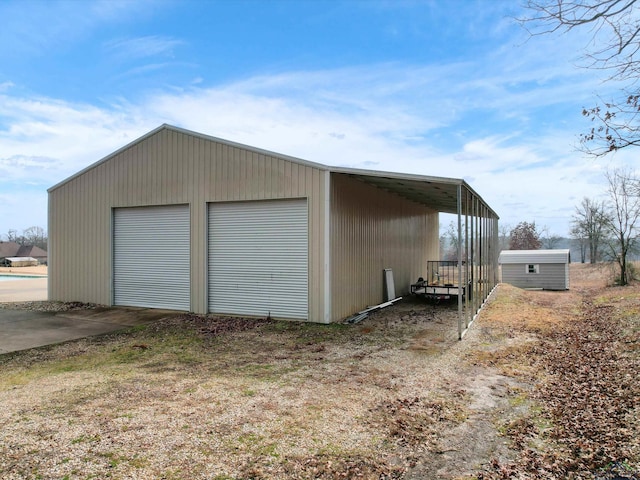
(416, 421)
(589, 395)
(210, 326)
(327, 467)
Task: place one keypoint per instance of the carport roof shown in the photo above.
(438, 193)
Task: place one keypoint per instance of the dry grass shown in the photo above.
(205, 397)
(196, 397)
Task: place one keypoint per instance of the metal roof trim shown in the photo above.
(397, 176)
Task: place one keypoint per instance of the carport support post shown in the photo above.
(460, 262)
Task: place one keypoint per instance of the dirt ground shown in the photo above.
(396, 396)
(36, 270)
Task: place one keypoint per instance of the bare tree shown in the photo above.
(589, 222)
(549, 240)
(525, 237)
(623, 220)
(581, 241)
(35, 236)
(31, 236)
(449, 240)
(614, 48)
(12, 235)
(504, 231)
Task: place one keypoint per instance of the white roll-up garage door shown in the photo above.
(151, 257)
(258, 260)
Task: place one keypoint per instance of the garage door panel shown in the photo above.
(151, 257)
(258, 258)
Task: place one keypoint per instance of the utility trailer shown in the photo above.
(442, 282)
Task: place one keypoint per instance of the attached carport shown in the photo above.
(477, 226)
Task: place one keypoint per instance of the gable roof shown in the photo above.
(439, 193)
(30, 251)
(13, 249)
(535, 256)
(9, 249)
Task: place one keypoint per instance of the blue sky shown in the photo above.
(443, 88)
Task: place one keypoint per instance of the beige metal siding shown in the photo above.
(372, 229)
(170, 166)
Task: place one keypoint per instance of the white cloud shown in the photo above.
(462, 120)
(48, 25)
(142, 47)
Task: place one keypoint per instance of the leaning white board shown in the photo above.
(389, 285)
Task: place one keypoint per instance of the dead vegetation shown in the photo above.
(583, 367)
(543, 386)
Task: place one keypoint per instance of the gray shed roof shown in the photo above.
(535, 256)
(438, 193)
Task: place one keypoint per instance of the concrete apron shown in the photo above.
(21, 329)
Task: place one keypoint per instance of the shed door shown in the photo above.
(258, 259)
(151, 257)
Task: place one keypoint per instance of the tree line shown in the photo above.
(524, 236)
(30, 236)
(605, 229)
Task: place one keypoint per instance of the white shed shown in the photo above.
(546, 269)
(20, 261)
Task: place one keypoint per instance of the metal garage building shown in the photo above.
(186, 221)
(546, 269)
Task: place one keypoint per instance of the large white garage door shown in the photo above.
(258, 261)
(151, 257)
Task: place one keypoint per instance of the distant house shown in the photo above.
(7, 250)
(15, 250)
(546, 269)
(33, 252)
